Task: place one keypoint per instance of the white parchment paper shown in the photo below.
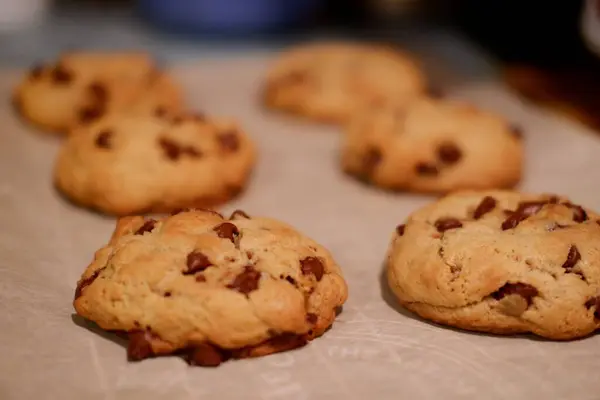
(374, 351)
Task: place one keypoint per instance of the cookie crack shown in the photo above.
(455, 269)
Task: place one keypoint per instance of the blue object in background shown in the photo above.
(226, 16)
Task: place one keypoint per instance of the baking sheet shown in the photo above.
(374, 351)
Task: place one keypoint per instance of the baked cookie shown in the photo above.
(433, 146)
(126, 164)
(331, 81)
(81, 87)
(501, 262)
(211, 288)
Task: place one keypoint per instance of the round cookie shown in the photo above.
(211, 288)
(126, 164)
(81, 87)
(500, 262)
(331, 81)
(433, 146)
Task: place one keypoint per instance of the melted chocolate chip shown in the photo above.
(196, 262)
(229, 141)
(90, 113)
(371, 160)
(140, 346)
(206, 355)
(103, 139)
(170, 148)
(525, 290)
(86, 282)
(572, 258)
(579, 214)
(426, 169)
(312, 318)
(449, 153)
(99, 92)
(61, 75)
(227, 230)
(146, 227)
(444, 224)
(486, 205)
(400, 229)
(167, 294)
(314, 266)
(523, 211)
(246, 281)
(595, 303)
(239, 214)
(200, 278)
(290, 280)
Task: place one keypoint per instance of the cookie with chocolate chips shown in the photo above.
(80, 87)
(211, 288)
(331, 81)
(501, 262)
(432, 146)
(127, 164)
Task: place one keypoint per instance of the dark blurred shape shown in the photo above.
(227, 16)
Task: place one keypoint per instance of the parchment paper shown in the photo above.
(374, 351)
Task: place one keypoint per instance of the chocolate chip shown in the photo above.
(444, 224)
(86, 282)
(283, 342)
(426, 169)
(103, 139)
(196, 262)
(516, 131)
(170, 148)
(206, 355)
(312, 265)
(579, 214)
(90, 113)
(140, 346)
(523, 211)
(200, 278)
(36, 72)
(400, 229)
(239, 214)
(99, 92)
(290, 280)
(487, 204)
(227, 230)
(572, 258)
(594, 302)
(371, 160)
(61, 75)
(229, 141)
(525, 290)
(167, 294)
(146, 227)
(312, 318)
(449, 153)
(246, 281)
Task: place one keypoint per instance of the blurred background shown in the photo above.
(543, 50)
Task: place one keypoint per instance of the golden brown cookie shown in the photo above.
(331, 81)
(501, 262)
(127, 164)
(81, 87)
(433, 145)
(211, 288)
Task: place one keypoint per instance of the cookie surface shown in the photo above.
(211, 287)
(127, 164)
(81, 87)
(330, 81)
(433, 146)
(501, 262)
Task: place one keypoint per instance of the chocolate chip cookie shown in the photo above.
(211, 288)
(127, 164)
(81, 87)
(434, 146)
(501, 262)
(330, 81)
